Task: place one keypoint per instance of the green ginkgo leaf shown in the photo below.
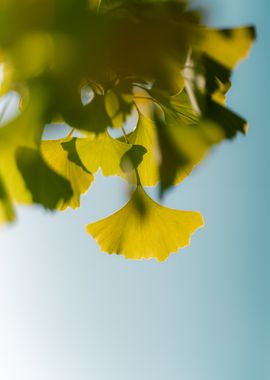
(151, 231)
(79, 178)
(46, 186)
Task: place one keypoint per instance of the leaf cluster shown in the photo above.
(95, 66)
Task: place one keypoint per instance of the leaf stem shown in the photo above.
(125, 134)
(70, 133)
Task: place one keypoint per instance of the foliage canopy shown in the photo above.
(94, 65)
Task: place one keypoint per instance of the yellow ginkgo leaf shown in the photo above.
(227, 46)
(57, 159)
(26, 130)
(186, 138)
(12, 177)
(102, 152)
(146, 136)
(143, 229)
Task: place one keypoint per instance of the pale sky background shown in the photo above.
(69, 312)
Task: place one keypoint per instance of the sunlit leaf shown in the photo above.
(56, 157)
(154, 231)
(102, 152)
(149, 69)
(145, 135)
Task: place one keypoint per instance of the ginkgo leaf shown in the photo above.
(46, 186)
(112, 156)
(13, 179)
(185, 138)
(154, 231)
(26, 129)
(102, 152)
(90, 64)
(217, 78)
(228, 121)
(228, 46)
(174, 164)
(7, 213)
(175, 141)
(185, 145)
(146, 136)
(57, 159)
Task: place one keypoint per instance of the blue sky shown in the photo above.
(69, 312)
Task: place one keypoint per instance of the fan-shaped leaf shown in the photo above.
(102, 152)
(57, 159)
(150, 231)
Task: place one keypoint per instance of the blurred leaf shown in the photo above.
(7, 213)
(229, 122)
(119, 103)
(25, 129)
(185, 138)
(215, 79)
(173, 160)
(154, 233)
(46, 186)
(228, 46)
(91, 117)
